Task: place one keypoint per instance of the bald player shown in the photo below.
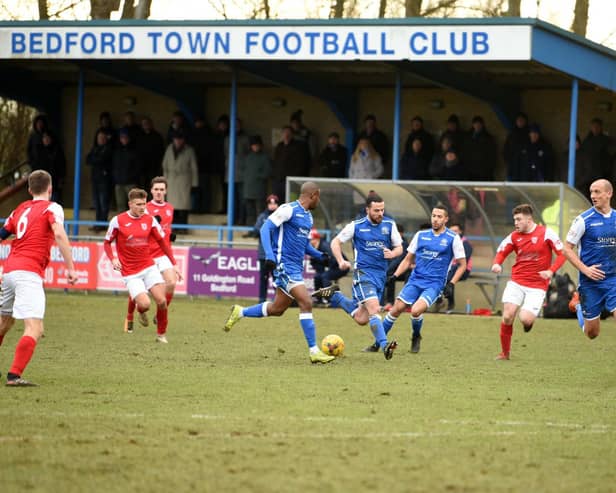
(593, 232)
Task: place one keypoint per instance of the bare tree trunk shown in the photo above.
(513, 9)
(337, 9)
(128, 10)
(382, 8)
(101, 9)
(142, 11)
(580, 19)
(266, 9)
(412, 8)
(42, 8)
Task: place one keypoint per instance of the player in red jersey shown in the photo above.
(163, 212)
(531, 273)
(36, 224)
(131, 231)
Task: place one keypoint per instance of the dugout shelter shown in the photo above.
(344, 68)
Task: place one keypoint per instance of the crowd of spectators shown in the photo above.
(195, 158)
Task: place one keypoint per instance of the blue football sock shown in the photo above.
(389, 322)
(338, 300)
(580, 316)
(256, 311)
(376, 326)
(310, 331)
(416, 324)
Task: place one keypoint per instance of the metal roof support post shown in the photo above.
(573, 132)
(395, 155)
(231, 157)
(78, 139)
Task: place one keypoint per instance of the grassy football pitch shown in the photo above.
(246, 411)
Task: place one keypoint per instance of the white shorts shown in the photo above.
(23, 295)
(143, 281)
(530, 299)
(163, 263)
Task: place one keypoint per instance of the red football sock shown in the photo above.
(23, 353)
(169, 297)
(161, 321)
(131, 309)
(1, 339)
(505, 335)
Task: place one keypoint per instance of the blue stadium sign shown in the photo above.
(286, 42)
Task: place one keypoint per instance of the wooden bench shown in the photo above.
(491, 287)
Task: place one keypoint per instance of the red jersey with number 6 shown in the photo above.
(31, 224)
(163, 210)
(132, 235)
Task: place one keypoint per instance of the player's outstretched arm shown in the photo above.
(393, 253)
(459, 271)
(593, 272)
(336, 246)
(65, 249)
(405, 264)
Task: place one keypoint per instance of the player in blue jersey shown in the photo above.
(285, 240)
(593, 232)
(376, 240)
(432, 252)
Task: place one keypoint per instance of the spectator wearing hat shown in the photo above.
(303, 136)
(413, 164)
(217, 155)
(325, 273)
(378, 139)
(106, 125)
(515, 148)
(584, 172)
(597, 146)
(126, 168)
(479, 152)
(447, 165)
(256, 169)
(271, 204)
(151, 148)
(453, 132)
(288, 161)
(179, 123)
(100, 161)
(539, 162)
(332, 162)
(180, 169)
(419, 132)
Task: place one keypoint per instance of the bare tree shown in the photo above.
(128, 9)
(412, 8)
(513, 8)
(42, 9)
(101, 9)
(417, 8)
(337, 9)
(382, 8)
(142, 11)
(15, 124)
(580, 18)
